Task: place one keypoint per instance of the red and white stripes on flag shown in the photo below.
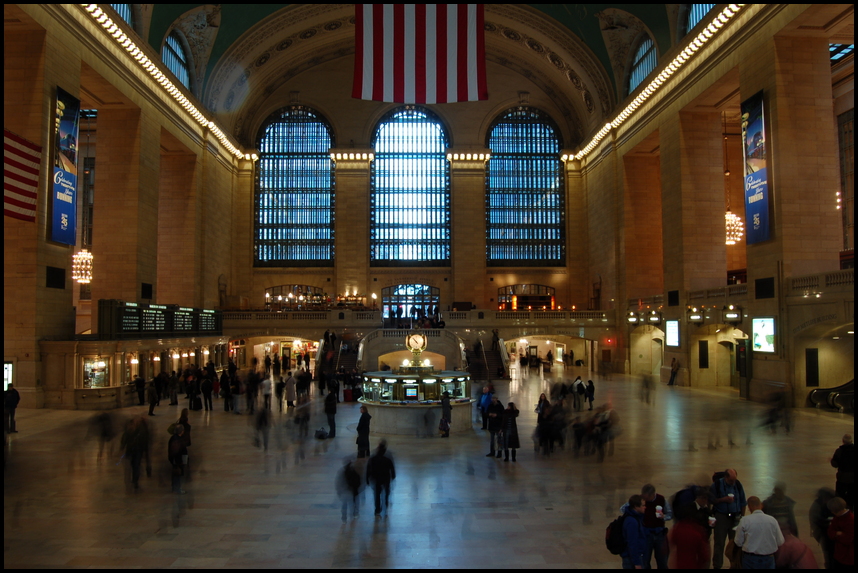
(420, 53)
(21, 160)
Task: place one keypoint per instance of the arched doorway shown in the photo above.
(406, 302)
(646, 350)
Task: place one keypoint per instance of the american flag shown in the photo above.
(420, 53)
(21, 160)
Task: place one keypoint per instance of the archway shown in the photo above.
(646, 350)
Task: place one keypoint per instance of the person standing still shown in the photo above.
(844, 461)
(152, 396)
(729, 505)
(674, 368)
(177, 453)
(207, 387)
(291, 394)
(495, 420)
(759, 536)
(446, 413)
(140, 387)
(11, 398)
(363, 433)
(591, 393)
(510, 431)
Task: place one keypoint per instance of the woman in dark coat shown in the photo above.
(446, 413)
(363, 433)
(510, 431)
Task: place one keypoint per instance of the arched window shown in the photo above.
(525, 206)
(410, 197)
(294, 215)
(696, 13)
(174, 55)
(124, 11)
(410, 301)
(644, 62)
(526, 297)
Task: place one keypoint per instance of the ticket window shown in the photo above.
(96, 372)
(457, 389)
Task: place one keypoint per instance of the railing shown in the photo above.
(814, 284)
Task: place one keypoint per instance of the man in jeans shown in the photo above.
(759, 536)
(729, 503)
(657, 512)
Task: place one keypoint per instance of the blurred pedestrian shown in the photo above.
(103, 428)
(842, 533)
(509, 431)
(331, 413)
(349, 483)
(207, 387)
(363, 433)
(794, 553)
(140, 388)
(380, 472)
(302, 416)
(820, 517)
(279, 390)
(495, 414)
(291, 390)
(135, 442)
(263, 425)
(267, 387)
(782, 508)
(844, 461)
(688, 539)
(177, 455)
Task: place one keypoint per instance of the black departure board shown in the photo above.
(120, 319)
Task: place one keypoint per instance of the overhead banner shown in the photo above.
(64, 182)
(756, 173)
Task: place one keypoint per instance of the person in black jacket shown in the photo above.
(844, 461)
(207, 386)
(380, 472)
(510, 432)
(331, 413)
(177, 452)
(495, 424)
(363, 433)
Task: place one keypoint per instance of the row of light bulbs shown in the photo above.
(149, 66)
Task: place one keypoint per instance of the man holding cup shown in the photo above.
(657, 512)
(729, 503)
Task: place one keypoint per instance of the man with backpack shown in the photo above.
(626, 535)
(729, 503)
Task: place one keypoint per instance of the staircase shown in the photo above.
(487, 369)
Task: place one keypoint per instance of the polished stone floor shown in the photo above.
(451, 506)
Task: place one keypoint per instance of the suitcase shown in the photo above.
(198, 403)
(347, 395)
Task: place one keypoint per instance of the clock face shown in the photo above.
(415, 342)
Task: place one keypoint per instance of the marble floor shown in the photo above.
(451, 506)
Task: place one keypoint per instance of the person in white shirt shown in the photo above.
(267, 387)
(759, 536)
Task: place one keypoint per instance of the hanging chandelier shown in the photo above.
(82, 266)
(733, 225)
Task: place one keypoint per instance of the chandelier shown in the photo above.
(82, 266)
(734, 227)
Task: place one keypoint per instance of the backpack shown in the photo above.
(581, 388)
(614, 538)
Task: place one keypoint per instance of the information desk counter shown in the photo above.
(409, 403)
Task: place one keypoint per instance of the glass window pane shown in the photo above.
(525, 192)
(294, 191)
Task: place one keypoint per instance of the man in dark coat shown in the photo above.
(331, 413)
(363, 433)
(446, 413)
(380, 471)
(140, 387)
(510, 431)
(10, 403)
(844, 461)
(177, 453)
(495, 425)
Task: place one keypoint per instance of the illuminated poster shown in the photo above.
(64, 181)
(756, 170)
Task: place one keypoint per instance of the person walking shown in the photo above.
(782, 508)
(495, 425)
(173, 388)
(177, 454)
(729, 506)
(11, 398)
(267, 388)
(135, 442)
(348, 488)
(279, 390)
(152, 397)
(759, 536)
(446, 414)
(263, 425)
(509, 428)
(844, 461)
(363, 433)
(331, 413)
(380, 472)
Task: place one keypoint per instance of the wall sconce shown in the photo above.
(654, 317)
(731, 314)
(632, 318)
(695, 315)
(134, 361)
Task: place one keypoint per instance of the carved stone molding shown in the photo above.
(620, 31)
(200, 27)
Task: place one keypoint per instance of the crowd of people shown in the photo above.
(752, 533)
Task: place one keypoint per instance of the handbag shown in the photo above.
(444, 425)
(321, 434)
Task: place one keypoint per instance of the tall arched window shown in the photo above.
(696, 13)
(525, 197)
(410, 200)
(124, 11)
(294, 190)
(645, 60)
(174, 55)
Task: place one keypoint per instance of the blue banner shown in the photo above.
(756, 172)
(64, 173)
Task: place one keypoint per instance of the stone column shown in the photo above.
(468, 227)
(352, 222)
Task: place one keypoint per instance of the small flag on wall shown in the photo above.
(21, 160)
(420, 53)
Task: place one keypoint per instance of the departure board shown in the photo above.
(120, 319)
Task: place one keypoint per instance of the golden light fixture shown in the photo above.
(733, 226)
(82, 266)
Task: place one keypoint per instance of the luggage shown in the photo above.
(347, 395)
(321, 434)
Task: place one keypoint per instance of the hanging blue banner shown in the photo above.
(756, 172)
(64, 172)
